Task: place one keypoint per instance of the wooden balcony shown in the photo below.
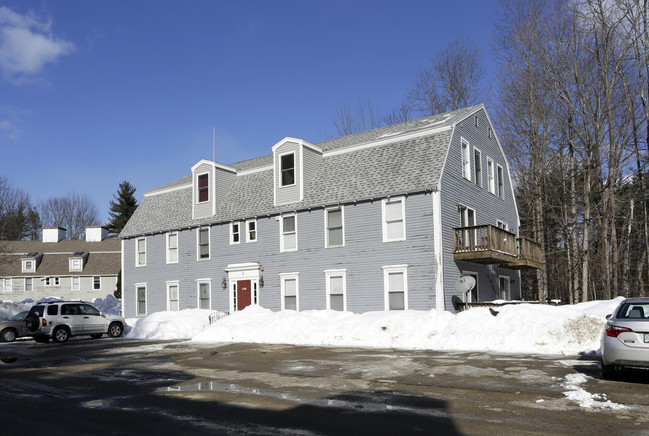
(492, 245)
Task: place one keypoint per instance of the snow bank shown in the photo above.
(109, 305)
(169, 325)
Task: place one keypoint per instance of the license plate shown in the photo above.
(646, 338)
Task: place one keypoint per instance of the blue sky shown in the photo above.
(96, 92)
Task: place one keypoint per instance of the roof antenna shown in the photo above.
(213, 142)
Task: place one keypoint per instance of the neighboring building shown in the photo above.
(56, 267)
(381, 220)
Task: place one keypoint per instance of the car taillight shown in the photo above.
(44, 322)
(614, 331)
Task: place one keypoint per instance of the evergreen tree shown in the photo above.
(121, 208)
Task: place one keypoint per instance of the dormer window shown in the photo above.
(203, 188)
(29, 266)
(287, 169)
(75, 264)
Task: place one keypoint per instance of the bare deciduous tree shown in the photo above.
(73, 212)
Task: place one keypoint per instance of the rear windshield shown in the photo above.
(634, 311)
(37, 310)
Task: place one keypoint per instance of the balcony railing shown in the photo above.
(492, 245)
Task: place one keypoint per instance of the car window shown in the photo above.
(18, 317)
(53, 310)
(633, 311)
(88, 310)
(38, 310)
(70, 309)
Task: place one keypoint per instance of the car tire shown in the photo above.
(8, 335)
(97, 336)
(31, 322)
(60, 334)
(42, 339)
(608, 371)
(115, 330)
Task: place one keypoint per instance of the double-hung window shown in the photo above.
(235, 232)
(335, 235)
(395, 283)
(7, 285)
(505, 292)
(394, 219)
(172, 247)
(204, 243)
(491, 176)
(29, 286)
(466, 159)
(336, 289)
(96, 283)
(140, 248)
(28, 266)
(287, 169)
(172, 296)
(251, 231)
(204, 294)
(477, 166)
(501, 182)
(203, 188)
(290, 291)
(76, 283)
(140, 295)
(288, 241)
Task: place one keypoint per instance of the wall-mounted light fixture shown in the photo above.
(224, 284)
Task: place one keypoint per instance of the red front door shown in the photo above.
(243, 294)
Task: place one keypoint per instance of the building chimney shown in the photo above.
(96, 233)
(53, 234)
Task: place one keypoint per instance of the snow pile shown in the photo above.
(109, 305)
(7, 309)
(519, 328)
(585, 399)
(169, 325)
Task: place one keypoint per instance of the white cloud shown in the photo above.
(27, 44)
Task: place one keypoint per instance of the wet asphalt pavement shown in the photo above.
(121, 386)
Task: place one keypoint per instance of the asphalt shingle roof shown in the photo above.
(405, 164)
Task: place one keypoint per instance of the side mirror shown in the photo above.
(609, 315)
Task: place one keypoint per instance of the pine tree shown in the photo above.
(121, 208)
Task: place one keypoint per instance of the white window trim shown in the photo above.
(93, 283)
(28, 270)
(500, 181)
(476, 164)
(175, 283)
(232, 233)
(468, 298)
(137, 253)
(387, 269)
(198, 244)
(491, 175)
(279, 164)
(78, 279)
(509, 288)
(289, 276)
(198, 291)
(326, 226)
(329, 273)
(168, 237)
(209, 190)
(31, 282)
(465, 158)
(384, 202)
(52, 281)
(71, 263)
(146, 299)
(7, 283)
(282, 249)
(248, 238)
(502, 225)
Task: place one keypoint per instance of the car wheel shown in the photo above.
(31, 322)
(60, 334)
(97, 336)
(8, 335)
(115, 330)
(42, 339)
(608, 371)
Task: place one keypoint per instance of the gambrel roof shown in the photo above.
(393, 160)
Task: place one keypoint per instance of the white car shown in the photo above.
(61, 319)
(625, 340)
